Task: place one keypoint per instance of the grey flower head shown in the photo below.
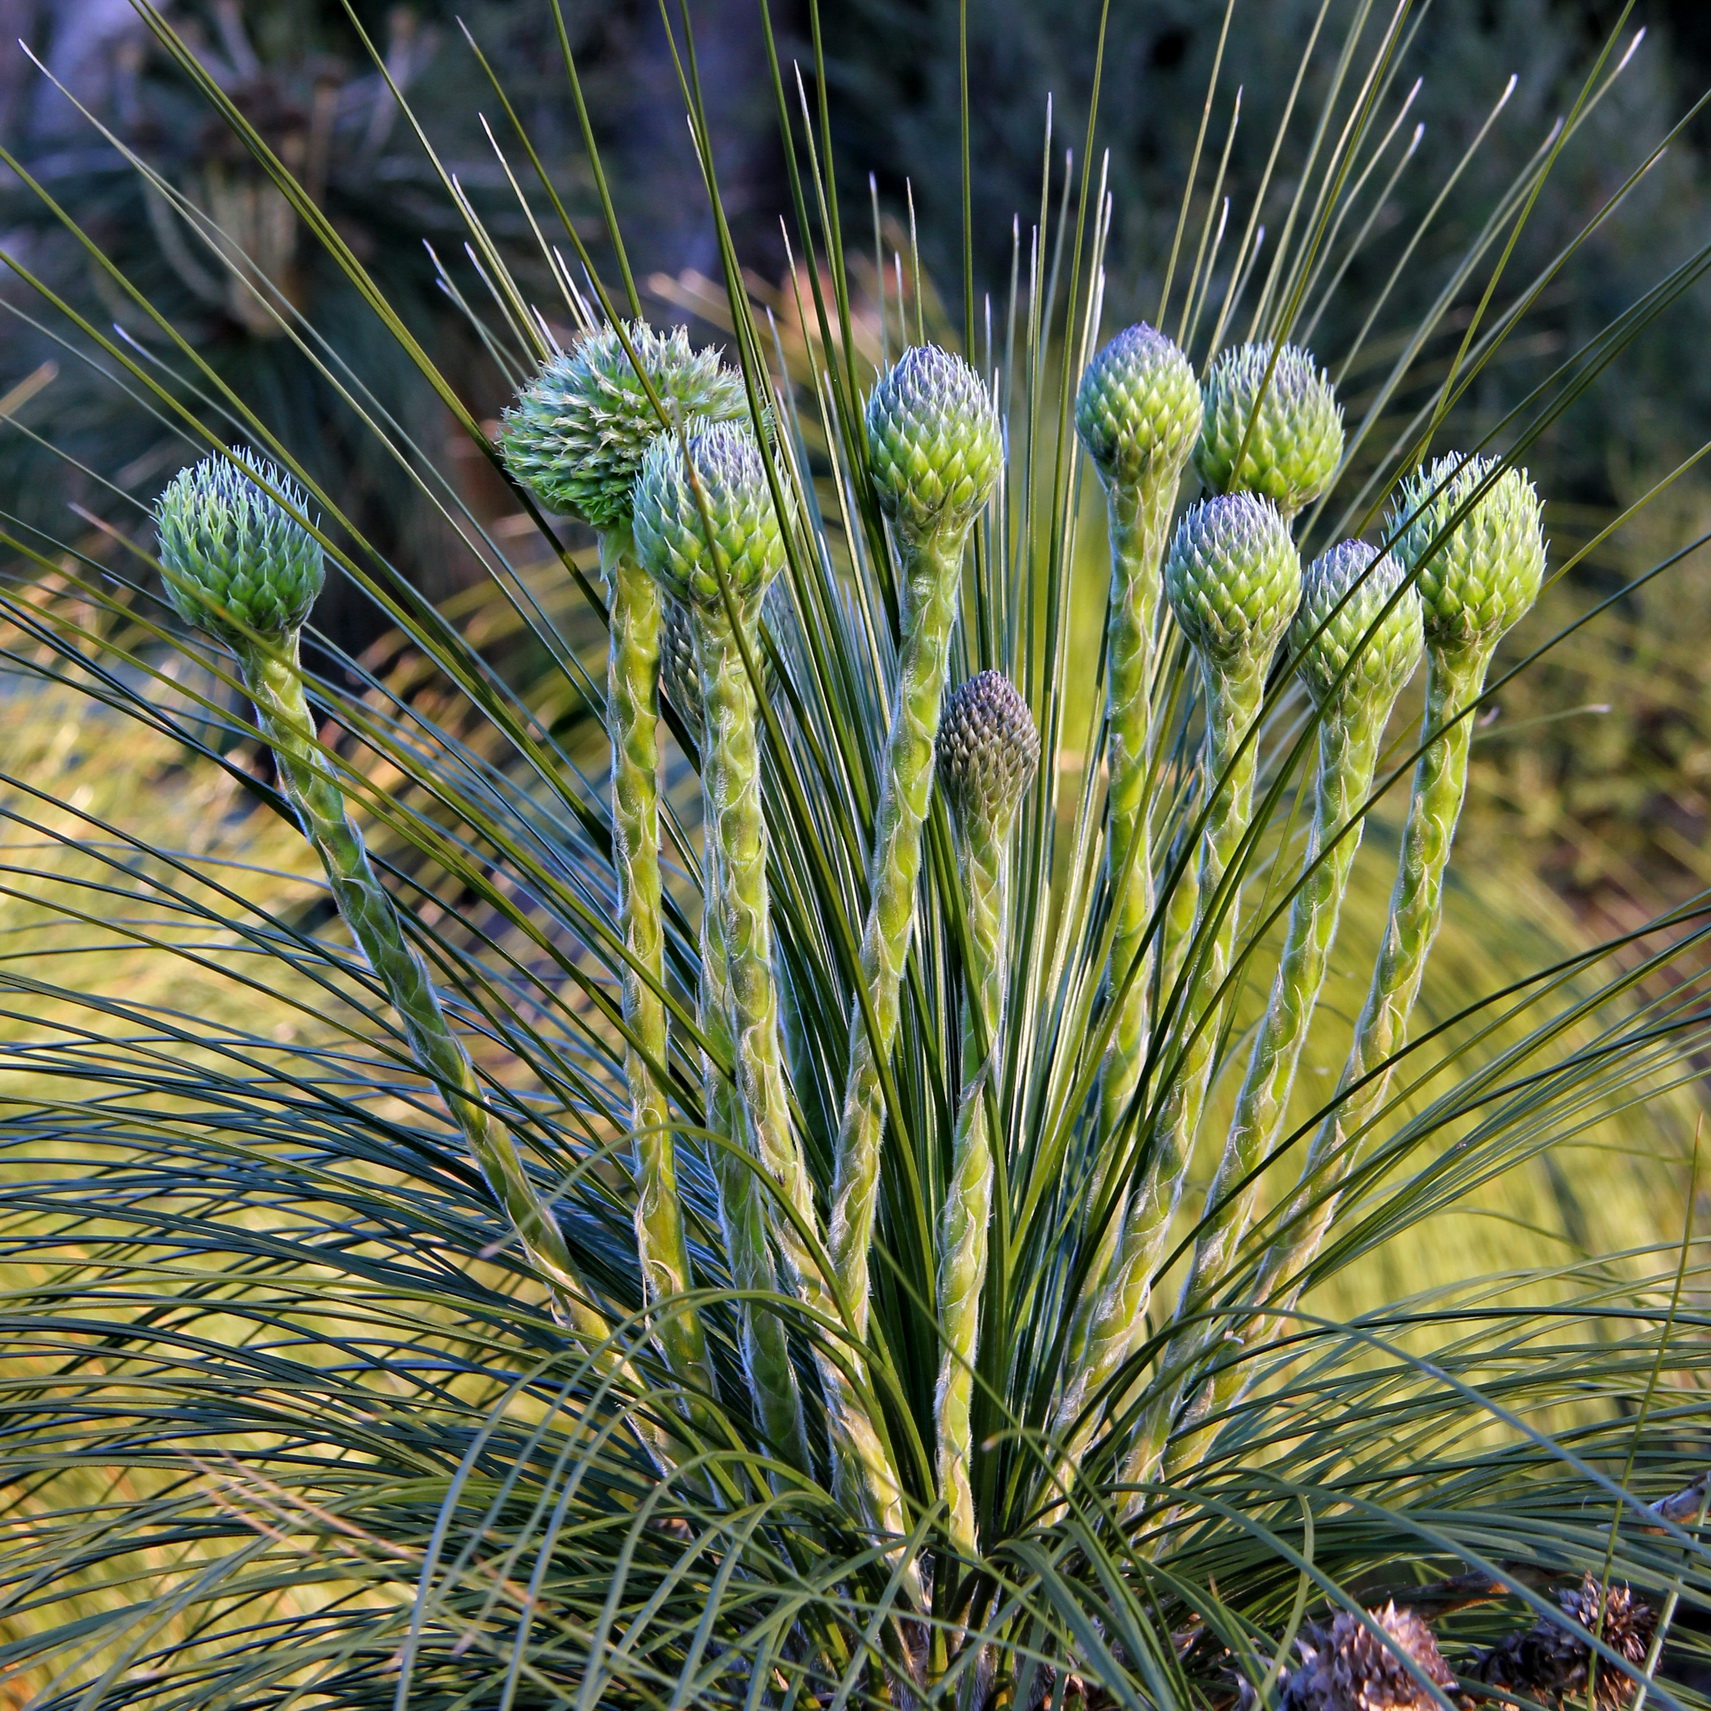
(237, 562)
(1342, 617)
(933, 442)
(1481, 571)
(1291, 424)
(988, 751)
(737, 539)
(1138, 408)
(1233, 577)
(1349, 1667)
(579, 431)
(1550, 1662)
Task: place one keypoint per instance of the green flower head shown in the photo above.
(1233, 577)
(578, 433)
(988, 751)
(1326, 636)
(933, 442)
(737, 540)
(1138, 408)
(237, 563)
(1480, 572)
(1295, 440)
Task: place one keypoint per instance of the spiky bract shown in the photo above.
(1351, 611)
(1138, 407)
(933, 442)
(1233, 576)
(580, 430)
(1270, 428)
(1480, 571)
(238, 564)
(704, 514)
(988, 751)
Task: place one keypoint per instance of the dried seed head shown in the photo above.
(1385, 646)
(237, 562)
(1233, 577)
(1551, 1662)
(988, 751)
(933, 442)
(1290, 422)
(1485, 571)
(737, 540)
(1137, 409)
(579, 431)
(1350, 1668)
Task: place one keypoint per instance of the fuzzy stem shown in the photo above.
(963, 1226)
(933, 570)
(1454, 681)
(1348, 752)
(1234, 693)
(632, 690)
(732, 774)
(275, 682)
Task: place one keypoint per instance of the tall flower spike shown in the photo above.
(1233, 579)
(988, 752)
(705, 525)
(578, 436)
(1477, 574)
(230, 548)
(237, 562)
(579, 431)
(1288, 419)
(1137, 412)
(933, 443)
(934, 447)
(1357, 640)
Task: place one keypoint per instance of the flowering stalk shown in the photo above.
(241, 567)
(1232, 578)
(577, 435)
(1357, 641)
(706, 527)
(933, 445)
(988, 750)
(1479, 559)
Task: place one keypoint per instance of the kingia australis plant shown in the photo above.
(838, 1190)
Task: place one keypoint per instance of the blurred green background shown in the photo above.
(1595, 769)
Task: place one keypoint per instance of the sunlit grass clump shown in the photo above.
(946, 1167)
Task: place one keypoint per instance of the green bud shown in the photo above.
(1326, 635)
(237, 563)
(1233, 577)
(578, 433)
(737, 540)
(988, 751)
(933, 442)
(679, 676)
(1485, 572)
(1295, 441)
(1138, 408)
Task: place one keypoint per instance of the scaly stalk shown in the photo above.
(1354, 657)
(240, 566)
(988, 750)
(1232, 578)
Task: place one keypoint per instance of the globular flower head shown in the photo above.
(1477, 574)
(1138, 408)
(736, 539)
(237, 563)
(1342, 617)
(579, 431)
(933, 442)
(1233, 577)
(1290, 422)
(988, 751)
(1348, 1667)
